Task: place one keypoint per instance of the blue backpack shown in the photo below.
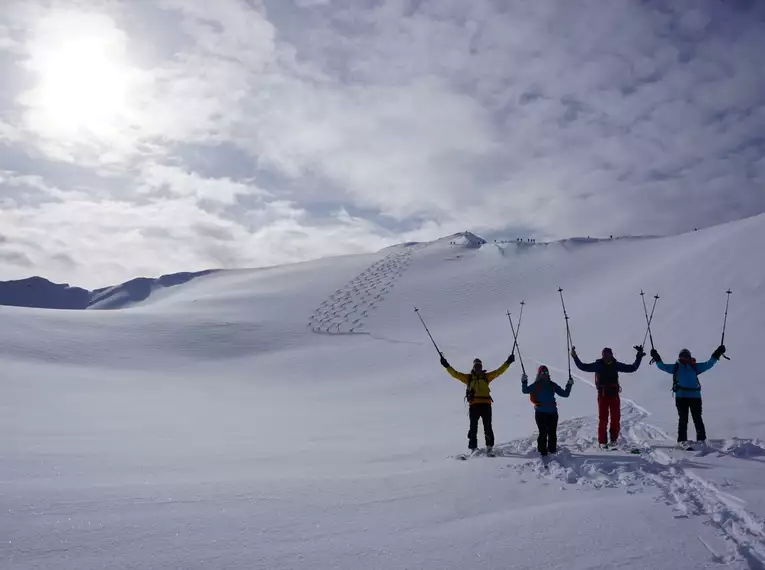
(675, 387)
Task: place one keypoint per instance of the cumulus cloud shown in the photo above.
(156, 178)
(204, 134)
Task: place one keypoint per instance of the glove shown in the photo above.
(524, 379)
(570, 381)
(640, 351)
(719, 352)
(511, 359)
(573, 352)
(444, 362)
(655, 355)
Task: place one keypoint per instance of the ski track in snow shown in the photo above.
(660, 465)
(346, 310)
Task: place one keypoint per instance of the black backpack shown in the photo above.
(675, 387)
(607, 380)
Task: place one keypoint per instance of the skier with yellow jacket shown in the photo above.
(478, 395)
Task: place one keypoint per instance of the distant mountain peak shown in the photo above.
(40, 293)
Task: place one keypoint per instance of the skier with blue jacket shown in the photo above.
(685, 375)
(542, 394)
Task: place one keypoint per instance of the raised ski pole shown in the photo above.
(416, 310)
(725, 321)
(648, 319)
(515, 336)
(520, 317)
(568, 333)
(517, 331)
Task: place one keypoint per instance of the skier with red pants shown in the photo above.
(606, 371)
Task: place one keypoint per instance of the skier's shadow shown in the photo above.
(746, 449)
(588, 464)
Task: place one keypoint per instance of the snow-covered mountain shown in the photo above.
(298, 417)
(40, 293)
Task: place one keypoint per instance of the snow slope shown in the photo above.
(297, 416)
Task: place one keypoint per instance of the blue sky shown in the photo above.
(140, 138)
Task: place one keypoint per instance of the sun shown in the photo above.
(83, 83)
(81, 88)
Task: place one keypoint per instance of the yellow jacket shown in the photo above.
(479, 383)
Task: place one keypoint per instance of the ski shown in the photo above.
(633, 450)
(474, 453)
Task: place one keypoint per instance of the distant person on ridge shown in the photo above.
(478, 395)
(542, 394)
(687, 388)
(606, 371)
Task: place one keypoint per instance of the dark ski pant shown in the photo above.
(684, 405)
(609, 405)
(480, 412)
(547, 423)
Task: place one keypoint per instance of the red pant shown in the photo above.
(608, 405)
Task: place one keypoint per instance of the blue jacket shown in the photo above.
(687, 377)
(544, 393)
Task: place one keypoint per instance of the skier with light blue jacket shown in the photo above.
(687, 388)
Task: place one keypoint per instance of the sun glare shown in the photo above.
(83, 83)
(81, 88)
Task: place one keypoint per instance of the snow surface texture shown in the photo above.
(223, 423)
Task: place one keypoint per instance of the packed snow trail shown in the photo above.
(346, 310)
(660, 465)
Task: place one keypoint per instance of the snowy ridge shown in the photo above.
(346, 310)
(39, 293)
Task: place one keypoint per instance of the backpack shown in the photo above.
(533, 394)
(675, 387)
(607, 381)
(470, 386)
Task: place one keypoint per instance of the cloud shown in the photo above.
(190, 134)
(177, 181)
(15, 258)
(68, 238)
